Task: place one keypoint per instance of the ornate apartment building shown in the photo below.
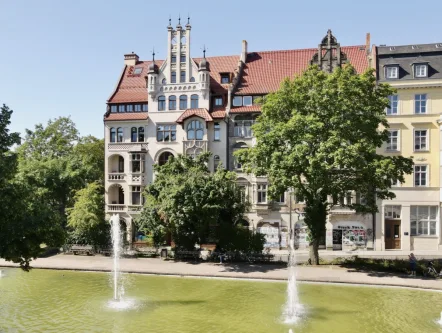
(185, 105)
(411, 221)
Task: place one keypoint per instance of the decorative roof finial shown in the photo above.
(179, 19)
(204, 51)
(170, 21)
(188, 18)
(153, 55)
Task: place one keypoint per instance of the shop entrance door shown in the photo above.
(392, 234)
(337, 239)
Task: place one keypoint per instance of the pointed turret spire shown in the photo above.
(169, 27)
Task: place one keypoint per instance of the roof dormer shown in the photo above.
(391, 71)
(420, 69)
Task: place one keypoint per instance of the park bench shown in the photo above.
(186, 255)
(147, 251)
(106, 252)
(82, 249)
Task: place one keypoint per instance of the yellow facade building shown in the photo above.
(411, 221)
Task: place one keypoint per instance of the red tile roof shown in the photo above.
(217, 65)
(126, 116)
(218, 114)
(132, 88)
(249, 108)
(264, 71)
(202, 113)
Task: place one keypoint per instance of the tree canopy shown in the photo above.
(190, 203)
(318, 136)
(39, 181)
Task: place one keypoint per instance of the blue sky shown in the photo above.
(61, 58)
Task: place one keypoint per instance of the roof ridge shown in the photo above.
(305, 49)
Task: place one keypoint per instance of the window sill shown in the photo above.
(392, 151)
(167, 142)
(425, 236)
(421, 151)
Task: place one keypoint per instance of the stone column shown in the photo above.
(405, 228)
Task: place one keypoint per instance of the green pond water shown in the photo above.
(63, 301)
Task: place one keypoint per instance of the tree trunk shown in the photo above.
(313, 252)
(315, 218)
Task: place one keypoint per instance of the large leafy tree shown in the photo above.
(25, 222)
(45, 163)
(317, 135)
(191, 204)
(86, 219)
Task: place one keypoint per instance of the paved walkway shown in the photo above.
(248, 271)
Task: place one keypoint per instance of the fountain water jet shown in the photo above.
(118, 302)
(116, 244)
(440, 320)
(292, 309)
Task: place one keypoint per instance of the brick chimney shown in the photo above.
(244, 51)
(367, 43)
(130, 59)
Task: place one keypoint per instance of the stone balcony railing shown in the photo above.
(126, 146)
(116, 208)
(116, 176)
(195, 147)
(134, 209)
(136, 179)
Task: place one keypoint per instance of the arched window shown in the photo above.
(140, 134)
(195, 130)
(120, 164)
(183, 102)
(112, 134)
(216, 161)
(172, 102)
(161, 103)
(133, 134)
(164, 157)
(192, 79)
(164, 81)
(119, 134)
(194, 102)
(173, 77)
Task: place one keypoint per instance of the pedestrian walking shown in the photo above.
(413, 262)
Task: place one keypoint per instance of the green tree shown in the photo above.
(45, 163)
(318, 136)
(190, 203)
(25, 222)
(86, 219)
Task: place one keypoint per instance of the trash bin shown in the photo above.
(163, 253)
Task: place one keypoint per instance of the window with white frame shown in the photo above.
(420, 175)
(392, 72)
(242, 126)
(420, 140)
(216, 162)
(420, 70)
(137, 163)
(423, 220)
(166, 133)
(216, 132)
(392, 212)
(262, 193)
(393, 140)
(394, 101)
(136, 195)
(242, 189)
(281, 199)
(420, 103)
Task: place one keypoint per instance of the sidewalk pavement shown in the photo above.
(332, 274)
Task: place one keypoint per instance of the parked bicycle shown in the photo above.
(430, 271)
